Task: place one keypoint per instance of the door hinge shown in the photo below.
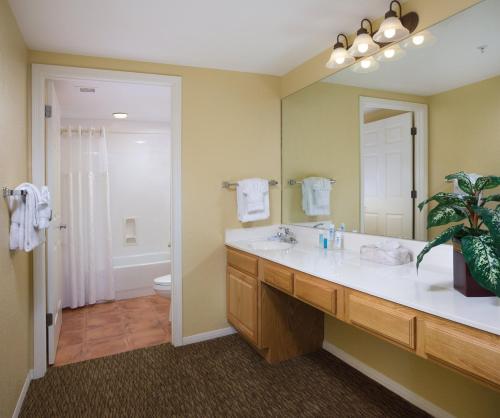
(50, 319)
(413, 194)
(413, 131)
(48, 111)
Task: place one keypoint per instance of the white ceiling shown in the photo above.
(145, 103)
(454, 60)
(262, 36)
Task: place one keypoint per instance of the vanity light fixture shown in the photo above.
(340, 57)
(366, 65)
(120, 115)
(391, 29)
(419, 40)
(363, 44)
(391, 53)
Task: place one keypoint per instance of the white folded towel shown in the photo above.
(253, 199)
(25, 233)
(316, 196)
(389, 252)
(44, 211)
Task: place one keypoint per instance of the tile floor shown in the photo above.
(109, 328)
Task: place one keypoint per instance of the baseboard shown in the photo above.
(387, 382)
(23, 393)
(134, 293)
(210, 335)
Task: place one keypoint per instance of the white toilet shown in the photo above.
(163, 287)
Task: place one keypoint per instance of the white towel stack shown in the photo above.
(316, 196)
(389, 252)
(253, 199)
(30, 215)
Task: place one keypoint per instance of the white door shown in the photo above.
(387, 177)
(54, 250)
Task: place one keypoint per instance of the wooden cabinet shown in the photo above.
(278, 276)
(386, 319)
(462, 348)
(322, 294)
(242, 303)
(242, 261)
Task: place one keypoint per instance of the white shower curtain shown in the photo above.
(88, 274)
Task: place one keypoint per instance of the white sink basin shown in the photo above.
(270, 245)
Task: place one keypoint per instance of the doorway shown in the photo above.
(393, 168)
(96, 136)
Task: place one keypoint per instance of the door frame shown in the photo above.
(42, 73)
(421, 155)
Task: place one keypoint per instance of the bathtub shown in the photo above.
(134, 274)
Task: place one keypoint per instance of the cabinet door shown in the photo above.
(242, 303)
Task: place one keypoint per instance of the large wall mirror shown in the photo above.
(385, 133)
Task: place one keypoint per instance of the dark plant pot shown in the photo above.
(462, 279)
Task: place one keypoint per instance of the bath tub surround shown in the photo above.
(134, 274)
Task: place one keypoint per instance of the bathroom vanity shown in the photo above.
(277, 300)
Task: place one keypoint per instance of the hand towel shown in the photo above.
(316, 196)
(253, 199)
(43, 211)
(24, 234)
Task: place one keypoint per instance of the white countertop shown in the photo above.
(431, 291)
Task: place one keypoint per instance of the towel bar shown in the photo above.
(227, 184)
(10, 192)
(293, 182)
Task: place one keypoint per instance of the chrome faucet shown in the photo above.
(284, 234)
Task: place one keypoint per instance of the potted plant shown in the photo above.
(476, 243)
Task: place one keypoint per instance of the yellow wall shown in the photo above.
(15, 283)
(430, 12)
(320, 136)
(230, 130)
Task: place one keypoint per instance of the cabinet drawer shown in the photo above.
(383, 318)
(244, 262)
(317, 292)
(465, 350)
(278, 276)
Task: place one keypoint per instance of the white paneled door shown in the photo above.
(54, 248)
(387, 177)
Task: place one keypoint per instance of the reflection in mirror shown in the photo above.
(389, 130)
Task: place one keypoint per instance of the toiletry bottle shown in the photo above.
(320, 240)
(331, 236)
(325, 242)
(339, 238)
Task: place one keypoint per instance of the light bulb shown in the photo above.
(366, 64)
(340, 60)
(389, 33)
(418, 39)
(363, 48)
(389, 53)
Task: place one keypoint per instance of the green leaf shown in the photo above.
(440, 239)
(463, 181)
(483, 262)
(444, 214)
(491, 198)
(447, 199)
(491, 219)
(487, 182)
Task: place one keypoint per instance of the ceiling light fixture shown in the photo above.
(340, 57)
(363, 44)
(391, 29)
(120, 115)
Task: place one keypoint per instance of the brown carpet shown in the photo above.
(217, 378)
